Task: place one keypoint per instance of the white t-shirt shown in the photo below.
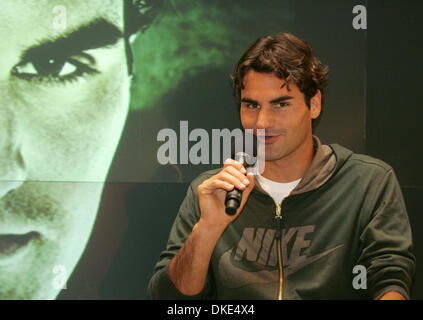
(277, 190)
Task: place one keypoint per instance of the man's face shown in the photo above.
(64, 98)
(266, 103)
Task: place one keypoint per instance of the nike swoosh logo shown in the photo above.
(303, 261)
(234, 277)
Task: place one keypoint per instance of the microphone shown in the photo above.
(246, 158)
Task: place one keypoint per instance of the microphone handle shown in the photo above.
(233, 201)
(233, 197)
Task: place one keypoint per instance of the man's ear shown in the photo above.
(316, 104)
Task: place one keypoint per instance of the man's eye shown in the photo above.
(54, 68)
(282, 104)
(252, 106)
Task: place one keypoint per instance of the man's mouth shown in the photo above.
(14, 245)
(268, 139)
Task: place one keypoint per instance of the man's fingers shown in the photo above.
(230, 177)
(210, 185)
(236, 164)
(251, 183)
(247, 192)
(241, 177)
(250, 177)
(240, 184)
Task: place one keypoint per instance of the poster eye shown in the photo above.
(54, 68)
(47, 67)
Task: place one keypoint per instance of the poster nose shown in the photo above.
(12, 167)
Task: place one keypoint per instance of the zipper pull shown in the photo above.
(278, 218)
(278, 211)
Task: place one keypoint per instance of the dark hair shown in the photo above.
(289, 58)
(138, 16)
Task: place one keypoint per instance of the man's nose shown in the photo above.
(12, 167)
(266, 118)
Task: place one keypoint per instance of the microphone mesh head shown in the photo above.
(247, 145)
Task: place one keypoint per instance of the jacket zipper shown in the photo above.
(278, 217)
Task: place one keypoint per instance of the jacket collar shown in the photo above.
(321, 169)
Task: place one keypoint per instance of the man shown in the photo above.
(315, 216)
(64, 83)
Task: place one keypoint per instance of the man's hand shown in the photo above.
(188, 269)
(212, 193)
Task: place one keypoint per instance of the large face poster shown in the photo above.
(86, 87)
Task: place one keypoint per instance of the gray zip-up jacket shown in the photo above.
(343, 233)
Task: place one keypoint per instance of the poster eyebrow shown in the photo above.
(95, 34)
